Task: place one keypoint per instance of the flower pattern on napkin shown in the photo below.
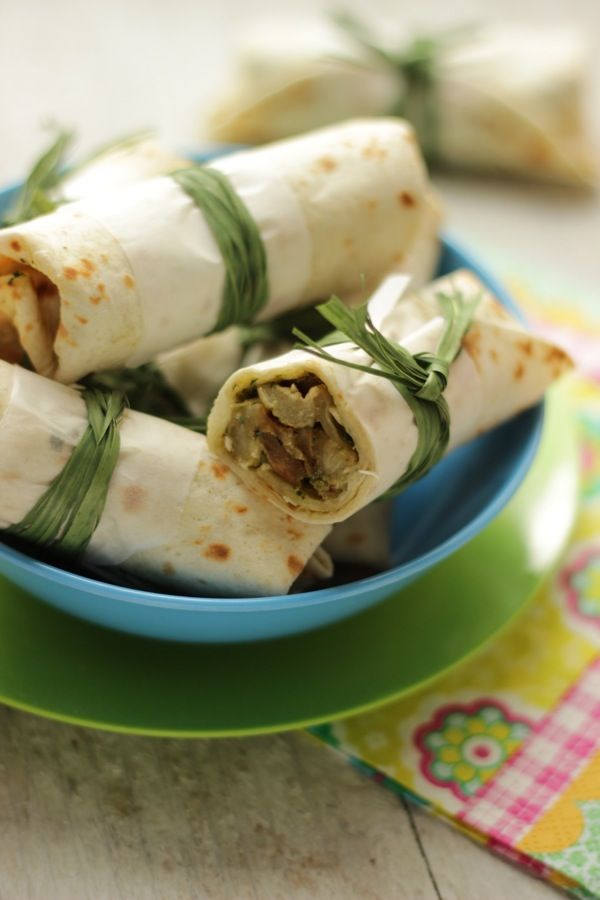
(465, 745)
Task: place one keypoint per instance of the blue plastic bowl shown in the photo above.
(432, 519)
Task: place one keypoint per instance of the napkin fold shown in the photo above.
(507, 748)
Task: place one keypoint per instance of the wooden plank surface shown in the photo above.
(87, 815)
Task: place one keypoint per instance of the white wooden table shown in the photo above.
(85, 814)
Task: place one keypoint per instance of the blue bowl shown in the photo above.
(432, 519)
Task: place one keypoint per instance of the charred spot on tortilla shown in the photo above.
(291, 429)
(556, 355)
(219, 552)
(294, 564)
(220, 470)
(326, 164)
(87, 267)
(405, 198)
(526, 347)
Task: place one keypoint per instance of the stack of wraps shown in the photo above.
(116, 278)
(322, 440)
(501, 98)
(174, 514)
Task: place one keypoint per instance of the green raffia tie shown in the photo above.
(416, 67)
(68, 512)
(238, 238)
(34, 198)
(420, 378)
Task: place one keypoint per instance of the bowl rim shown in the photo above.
(321, 596)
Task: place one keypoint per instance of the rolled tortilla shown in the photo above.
(113, 280)
(174, 515)
(121, 164)
(507, 97)
(323, 440)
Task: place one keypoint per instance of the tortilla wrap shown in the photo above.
(117, 278)
(322, 440)
(508, 98)
(174, 515)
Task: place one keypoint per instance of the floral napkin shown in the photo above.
(508, 747)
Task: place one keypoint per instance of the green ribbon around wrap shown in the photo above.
(417, 69)
(68, 512)
(246, 283)
(420, 378)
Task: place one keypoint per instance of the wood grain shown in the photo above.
(87, 815)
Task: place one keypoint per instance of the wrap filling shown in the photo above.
(291, 429)
(30, 302)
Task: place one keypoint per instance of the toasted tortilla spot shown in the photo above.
(219, 552)
(493, 355)
(374, 151)
(519, 371)
(348, 242)
(294, 564)
(526, 347)
(555, 354)
(133, 497)
(129, 282)
(16, 245)
(87, 267)
(70, 273)
(168, 568)
(470, 343)
(82, 320)
(372, 205)
(95, 299)
(240, 509)
(398, 257)
(326, 164)
(405, 198)
(294, 534)
(220, 470)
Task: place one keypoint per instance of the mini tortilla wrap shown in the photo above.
(115, 279)
(324, 466)
(174, 515)
(508, 98)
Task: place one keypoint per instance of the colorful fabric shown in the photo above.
(508, 746)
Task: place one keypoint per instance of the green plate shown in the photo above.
(64, 668)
